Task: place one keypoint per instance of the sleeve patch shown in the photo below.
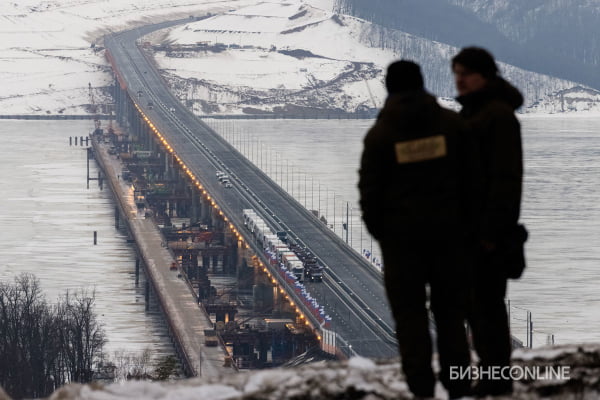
(417, 150)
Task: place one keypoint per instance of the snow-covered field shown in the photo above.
(277, 54)
(293, 56)
(46, 56)
(248, 56)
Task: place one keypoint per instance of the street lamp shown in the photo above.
(351, 216)
(271, 158)
(361, 237)
(261, 146)
(334, 212)
(346, 227)
(312, 193)
(319, 198)
(305, 202)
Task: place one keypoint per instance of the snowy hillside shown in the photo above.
(46, 58)
(565, 34)
(293, 57)
(249, 57)
(558, 38)
(274, 57)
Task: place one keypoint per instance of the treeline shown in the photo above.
(436, 20)
(553, 38)
(567, 30)
(434, 58)
(45, 346)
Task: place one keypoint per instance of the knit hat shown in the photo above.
(403, 76)
(478, 60)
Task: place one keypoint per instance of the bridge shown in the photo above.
(352, 292)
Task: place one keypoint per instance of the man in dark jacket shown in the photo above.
(488, 105)
(410, 195)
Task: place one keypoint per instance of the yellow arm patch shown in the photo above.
(417, 150)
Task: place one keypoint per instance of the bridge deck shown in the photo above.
(185, 318)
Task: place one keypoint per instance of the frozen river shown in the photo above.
(48, 216)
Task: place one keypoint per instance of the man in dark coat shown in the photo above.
(488, 105)
(410, 195)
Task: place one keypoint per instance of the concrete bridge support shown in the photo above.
(245, 273)
(218, 226)
(205, 212)
(263, 294)
(195, 211)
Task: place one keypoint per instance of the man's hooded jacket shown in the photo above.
(497, 134)
(410, 179)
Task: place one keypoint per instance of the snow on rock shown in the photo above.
(357, 378)
(354, 379)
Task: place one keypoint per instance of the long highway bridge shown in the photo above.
(352, 291)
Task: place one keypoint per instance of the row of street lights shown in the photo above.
(297, 184)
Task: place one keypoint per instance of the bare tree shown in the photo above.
(43, 346)
(140, 364)
(131, 366)
(82, 335)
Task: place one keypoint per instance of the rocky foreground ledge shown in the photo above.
(561, 372)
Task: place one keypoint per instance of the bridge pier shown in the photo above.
(215, 263)
(137, 270)
(167, 166)
(218, 226)
(117, 213)
(205, 211)
(147, 294)
(263, 297)
(130, 111)
(151, 143)
(195, 214)
(223, 312)
(245, 275)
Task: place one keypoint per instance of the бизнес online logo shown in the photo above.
(515, 373)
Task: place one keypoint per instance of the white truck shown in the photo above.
(268, 239)
(249, 217)
(294, 265)
(260, 229)
(297, 268)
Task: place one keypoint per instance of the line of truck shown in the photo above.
(299, 261)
